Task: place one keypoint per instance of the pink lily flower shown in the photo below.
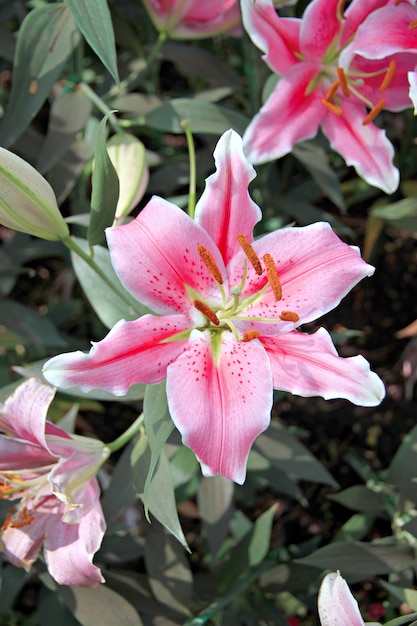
(53, 475)
(193, 19)
(328, 81)
(228, 308)
(336, 604)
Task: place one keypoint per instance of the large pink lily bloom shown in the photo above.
(228, 308)
(336, 604)
(328, 81)
(194, 19)
(52, 473)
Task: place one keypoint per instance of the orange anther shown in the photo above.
(334, 108)
(389, 75)
(412, 25)
(210, 264)
(289, 316)
(343, 81)
(250, 253)
(273, 277)
(6, 522)
(332, 90)
(249, 335)
(373, 113)
(206, 311)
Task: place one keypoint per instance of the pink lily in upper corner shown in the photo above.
(327, 81)
(336, 604)
(53, 475)
(229, 307)
(192, 19)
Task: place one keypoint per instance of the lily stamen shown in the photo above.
(210, 264)
(250, 253)
(332, 90)
(373, 112)
(273, 277)
(206, 311)
(389, 75)
(289, 316)
(412, 25)
(343, 81)
(334, 108)
(249, 335)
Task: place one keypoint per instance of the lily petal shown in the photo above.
(290, 114)
(69, 550)
(277, 36)
(24, 412)
(308, 365)
(15, 453)
(365, 147)
(356, 13)
(225, 208)
(336, 604)
(132, 352)
(412, 78)
(156, 256)
(221, 401)
(319, 27)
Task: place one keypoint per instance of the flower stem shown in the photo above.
(74, 247)
(127, 435)
(193, 168)
(101, 105)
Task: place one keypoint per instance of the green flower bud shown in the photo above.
(27, 201)
(128, 156)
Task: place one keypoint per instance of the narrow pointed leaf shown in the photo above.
(46, 38)
(105, 190)
(94, 21)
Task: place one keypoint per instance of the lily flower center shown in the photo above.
(234, 308)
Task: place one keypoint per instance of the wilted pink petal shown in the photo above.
(57, 489)
(231, 302)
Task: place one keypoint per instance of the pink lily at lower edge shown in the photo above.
(228, 308)
(331, 77)
(53, 475)
(336, 604)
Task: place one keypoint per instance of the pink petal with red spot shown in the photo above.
(365, 147)
(220, 402)
(276, 36)
(225, 209)
(156, 256)
(319, 27)
(336, 604)
(132, 352)
(308, 365)
(289, 115)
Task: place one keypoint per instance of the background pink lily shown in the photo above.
(191, 19)
(228, 307)
(336, 604)
(328, 79)
(53, 475)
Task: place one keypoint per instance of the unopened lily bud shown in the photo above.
(27, 201)
(128, 156)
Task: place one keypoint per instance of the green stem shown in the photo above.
(127, 435)
(101, 105)
(193, 168)
(74, 247)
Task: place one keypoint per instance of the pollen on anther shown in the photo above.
(332, 90)
(343, 81)
(206, 311)
(412, 25)
(249, 335)
(210, 264)
(273, 277)
(250, 253)
(388, 75)
(334, 108)
(289, 316)
(373, 112)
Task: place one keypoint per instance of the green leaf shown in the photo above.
(360, 498)
(99, 606)
(215, 503)
(402, 214)
(374, 558)
(401, 471)
(69, 113)
(169, 573)
(202, 117)
(289, 455)
(94, 21)
(402, 594)
(33, 329)
(109, 308)
(161, 502)
(316, 161)
(105, 190)
(158, 425)
(46, 38)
